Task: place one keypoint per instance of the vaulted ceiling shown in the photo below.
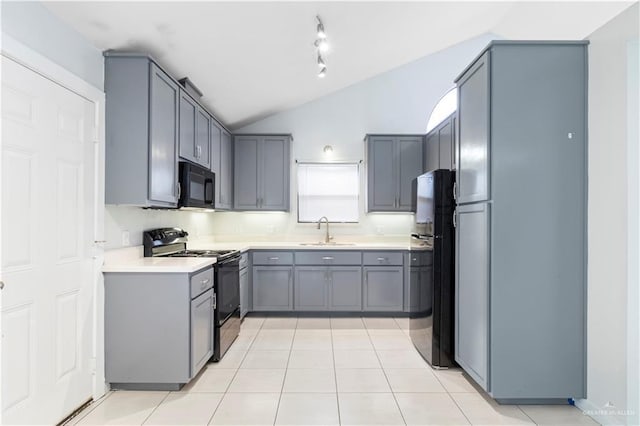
(253, 59)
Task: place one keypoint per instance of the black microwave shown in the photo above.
(196, 187)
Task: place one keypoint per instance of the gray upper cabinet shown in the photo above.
(473, 138)
(226, 172)
(393, 161)
(222, 165)
(194, 131)
(261, 172)
(521, 260)
(440, 146)
(142, 104)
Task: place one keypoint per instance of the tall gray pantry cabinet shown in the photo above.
(521, 220)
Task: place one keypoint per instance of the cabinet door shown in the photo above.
(246, 172)
(203, 132)
(381, 174)
(163, 137)
(409, 167)
(244, 292)
(432, 151)
(311, 289)
(345, 288)
(215, 148)
(473, 115)
(201, 331)
(445, 136)
(472, 291)
(272, 288)
(226, 172)
(188, 111)
(383, 288)
(274, 174)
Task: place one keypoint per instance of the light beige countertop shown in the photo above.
(131, 259)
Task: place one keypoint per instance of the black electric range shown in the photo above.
(172, 242)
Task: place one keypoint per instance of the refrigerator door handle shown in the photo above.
(455, 186)
(454, 218)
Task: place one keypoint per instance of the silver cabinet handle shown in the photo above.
(327, 258)
(100, 241)
(1, 285)
(274, 258)
(454, 190)
(455, 224)
(382, 259)
(415, 259)
(215, 301)
(204, 281)
(179, 189)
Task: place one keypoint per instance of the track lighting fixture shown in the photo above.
(321, 63)
(320, 29)
(322, 46)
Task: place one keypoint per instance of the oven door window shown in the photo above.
(228, 297)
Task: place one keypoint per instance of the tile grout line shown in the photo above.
(335, 373)
(452, 398)
(224, 394)
(375, 351)
(155, 408)
(93, 405)
(286, 369)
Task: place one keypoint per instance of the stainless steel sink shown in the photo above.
(331, 244)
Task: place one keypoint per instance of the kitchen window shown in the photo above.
(328, 189)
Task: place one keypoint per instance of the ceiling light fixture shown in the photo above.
(327, 149)
(322, 46)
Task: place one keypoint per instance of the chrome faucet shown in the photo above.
(327, 237)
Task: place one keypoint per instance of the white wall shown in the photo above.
(34, 26)
(398, 101)
(610, 166)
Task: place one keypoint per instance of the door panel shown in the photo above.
(48, 188)
(246, 173)
(345, 288)
(272, 288)
(432, 156)
(188, 111)
(274, 174)
(201, 331)
(473, 116)
(163, 137)
(445, 136)
(472, 291)
(226, 171)
(215, 149)
(410, 163)
(382, 180)
(383, 289)
(311, 289)
(202, 138)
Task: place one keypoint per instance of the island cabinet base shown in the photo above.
(158, 328)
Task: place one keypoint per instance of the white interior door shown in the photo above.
(47, 226)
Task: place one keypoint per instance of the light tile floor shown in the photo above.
(324, 371)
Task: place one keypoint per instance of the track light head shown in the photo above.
(323, 72)
(321, 63)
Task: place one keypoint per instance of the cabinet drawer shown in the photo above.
(326, 257)
(272, 258)
(244, 260)
(201, 282)
(382, 258)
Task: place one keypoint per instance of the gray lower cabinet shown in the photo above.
(262, 171)
(311, 289)
(201, 330)
(272, 288)
(345, 288)
(245, 287)
(336, 288)
(141, 149)
(158, 328)
(393, 161)
(383, 288)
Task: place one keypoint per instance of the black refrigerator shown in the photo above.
(431, 285)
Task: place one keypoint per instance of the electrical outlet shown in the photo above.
(125, 238)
